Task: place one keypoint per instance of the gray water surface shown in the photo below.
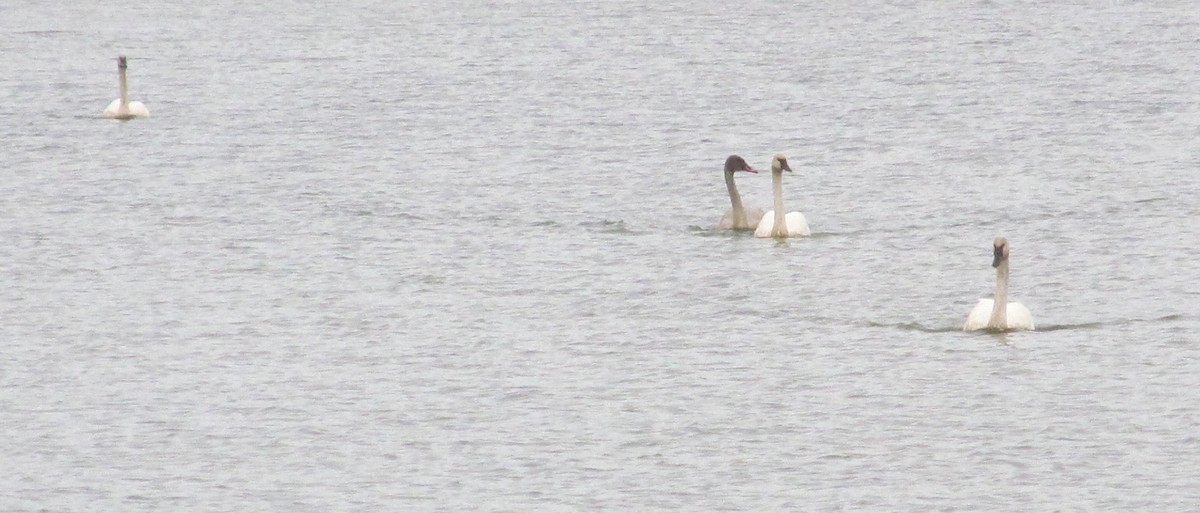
(426, 256)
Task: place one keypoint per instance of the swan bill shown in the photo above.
(999, 251)
(780, 163)
(736, 163)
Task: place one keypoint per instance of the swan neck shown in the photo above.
(1000, 303)
(124, 90)
(780, 228)
(739, 212)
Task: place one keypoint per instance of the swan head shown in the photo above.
(999, 251)
(121, 64)
(779, 164)
(735, 163)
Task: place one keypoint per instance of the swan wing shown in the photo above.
(1019, 317)
(765, 225)
(979, 316)
(138, 110)
(112, 108)
(726, 220)
(797, 225)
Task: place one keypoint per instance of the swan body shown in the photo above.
(738, 217)
(121, 108)
(997, 314)
(795, 223)
(1017, 317)
(775, 223)
(135, 110)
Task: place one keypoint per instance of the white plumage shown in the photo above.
(797, 225)
(997, 314)
(792, 224)
(122, 108)
(135, 110)
(1017, 316)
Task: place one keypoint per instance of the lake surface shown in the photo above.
(461, 256)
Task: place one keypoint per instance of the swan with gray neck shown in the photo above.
(738, 217)
(121, 108)
(997, 314)
(775, 223)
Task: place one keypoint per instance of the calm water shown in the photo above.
(406, 256)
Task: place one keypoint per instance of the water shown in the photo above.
(431, 257)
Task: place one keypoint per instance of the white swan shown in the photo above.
(998, 314)
(738, 217)
(122, 108)
(775, 223)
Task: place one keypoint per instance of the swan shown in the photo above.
(775, 223)
(122, 108)
(997, 314)
(738, 217)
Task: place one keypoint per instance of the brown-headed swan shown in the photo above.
(738, 217)
(122, 108)
(997, 314)
(775, 223)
